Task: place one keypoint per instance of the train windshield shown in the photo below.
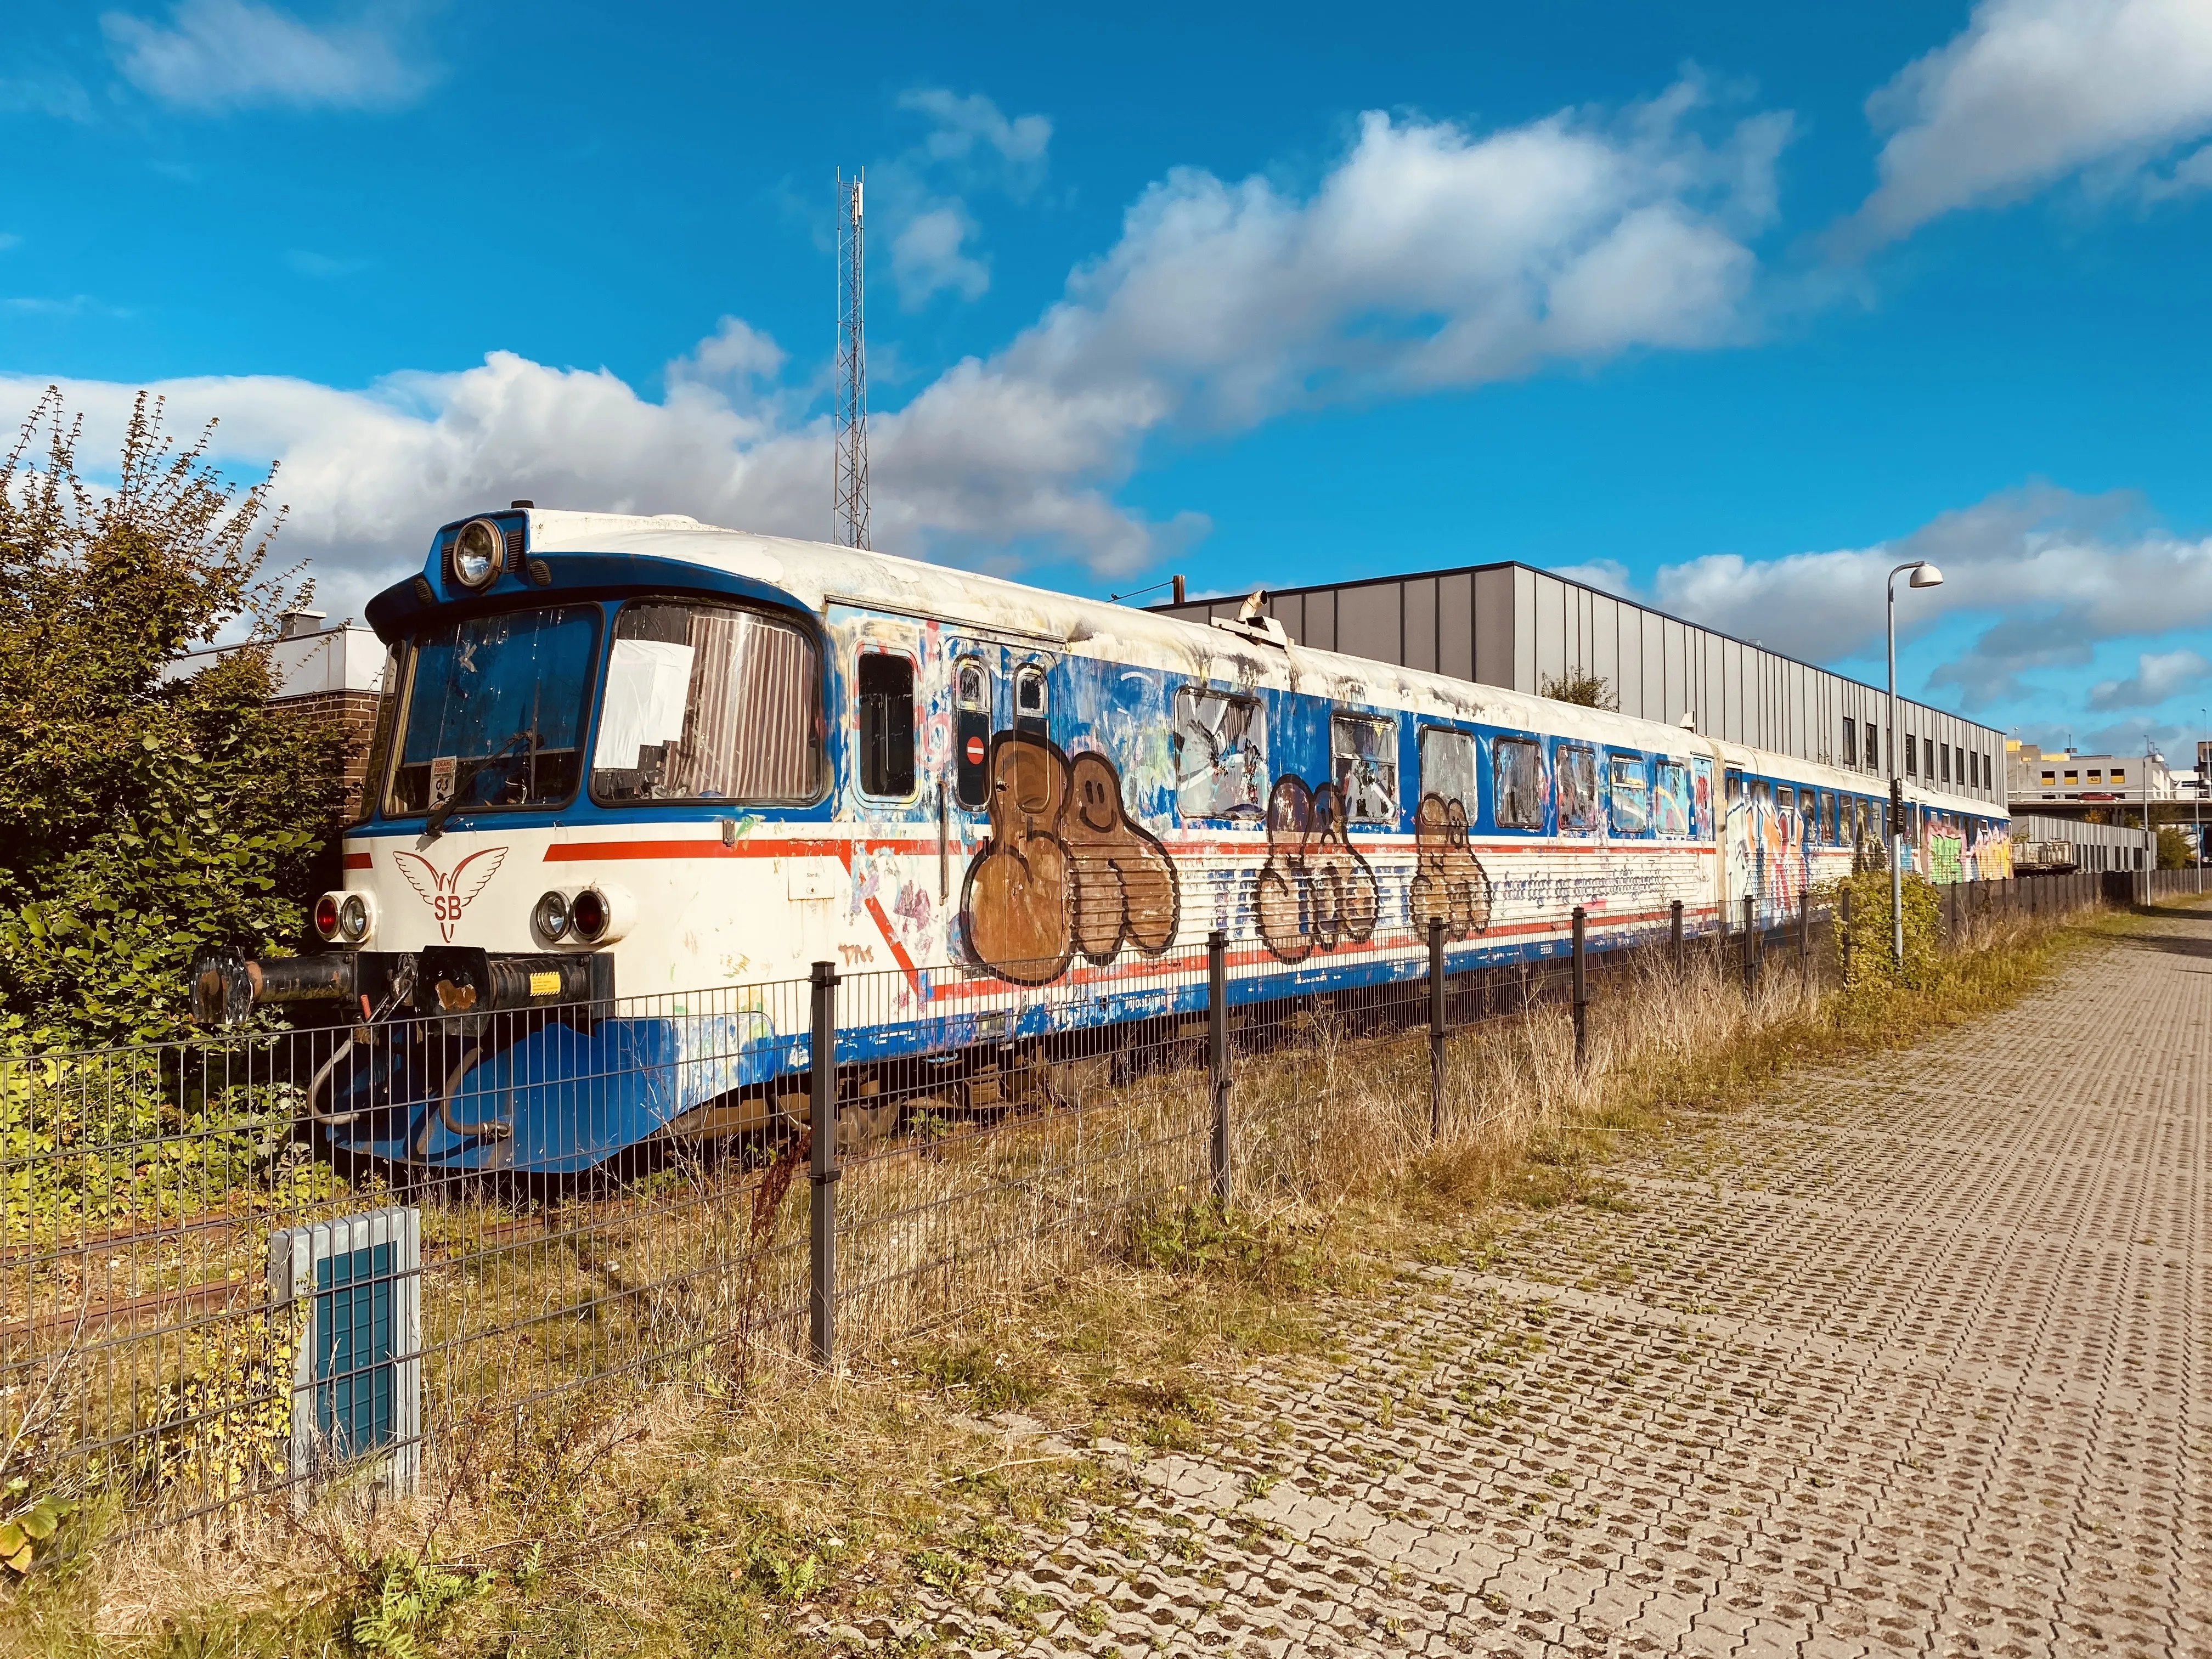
(494, 712)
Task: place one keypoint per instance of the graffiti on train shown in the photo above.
(1450, 884)
(1064, 869)
(1316, 890)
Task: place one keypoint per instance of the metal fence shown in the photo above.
(202, 1299)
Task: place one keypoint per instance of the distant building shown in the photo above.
(1516, 626)
(323, 674)
(2070, 784)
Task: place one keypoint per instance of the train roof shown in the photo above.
(818, 574)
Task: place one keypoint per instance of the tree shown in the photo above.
(2176, 851)
(1575, 686)
(143, 818)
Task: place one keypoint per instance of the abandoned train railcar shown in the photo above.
(621, 759)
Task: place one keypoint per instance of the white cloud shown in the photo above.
(926, 259)
(2049, 574)
(1427, 258)
(2159, 675)
(921, 197)
(222, 54)
(971, 128)
(2031, 92)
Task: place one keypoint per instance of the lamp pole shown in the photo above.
(1925, 574)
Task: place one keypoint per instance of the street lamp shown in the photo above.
(1925, 574)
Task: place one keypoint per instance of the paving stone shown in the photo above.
(1907, 1358)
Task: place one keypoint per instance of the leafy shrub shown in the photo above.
(144, 816)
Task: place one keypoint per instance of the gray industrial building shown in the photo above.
(1516, 626)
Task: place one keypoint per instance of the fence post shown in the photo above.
(1435, 1028)
(1952, 896)
(1675, 935)
(1844, 928)
(1582, 988)
(1750, 960)
(822, 1211)
(1217, 1043)
(1805, 933)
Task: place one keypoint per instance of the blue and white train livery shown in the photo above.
(623, 761)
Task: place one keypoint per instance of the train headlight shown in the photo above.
(479, 553)
(588, 911)
(356, 918)
(326, 915)
(551, 916)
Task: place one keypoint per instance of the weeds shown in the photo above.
(715, 1515)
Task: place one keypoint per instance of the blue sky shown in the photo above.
(1729, 305)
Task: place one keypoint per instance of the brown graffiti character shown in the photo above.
(1315, 891)
(1125, 883)
(1449, 883)
(1064, 869)
(1014, 903)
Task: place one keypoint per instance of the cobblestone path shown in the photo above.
(1911, 1359)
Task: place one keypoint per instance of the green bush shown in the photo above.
(141, 819)
(1865, 943)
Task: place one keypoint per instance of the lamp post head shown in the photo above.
(1925, 575)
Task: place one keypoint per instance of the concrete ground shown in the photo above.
(1909, 1358)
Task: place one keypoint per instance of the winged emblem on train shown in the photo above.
(448, 896)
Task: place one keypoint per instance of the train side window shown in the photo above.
(1628, 794)
(1734, 786)
(971, 735)
(1220, 744)
(1030, 705)
(1516, 783)
(1828, 834)
(884, 683)
(1448, 766)
(1364, 760)
(1575, 768)
(1671, 806)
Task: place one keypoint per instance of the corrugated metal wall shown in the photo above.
(1516, 626)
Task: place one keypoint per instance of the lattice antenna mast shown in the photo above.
(850, 494)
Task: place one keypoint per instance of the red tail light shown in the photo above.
(327, 916)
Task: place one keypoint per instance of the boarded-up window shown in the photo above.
(1364, 751)
(1448, 766)
(1516, 778)
(1575, 766)
(707, 702)
(1221, 754)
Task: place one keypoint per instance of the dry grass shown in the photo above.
(702, 1517)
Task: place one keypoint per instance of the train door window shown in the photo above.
(1220, 744)
(1364, 755)
(707, 702)
(1516, 783)
(1029, 700)
(971, 736)
(1574, 766)
(1448, 766)
(1671, 808)
(1785, 799)
(885, 687)
(1851, 741)
(1628, 794)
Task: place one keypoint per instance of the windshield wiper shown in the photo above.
(434, 825)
